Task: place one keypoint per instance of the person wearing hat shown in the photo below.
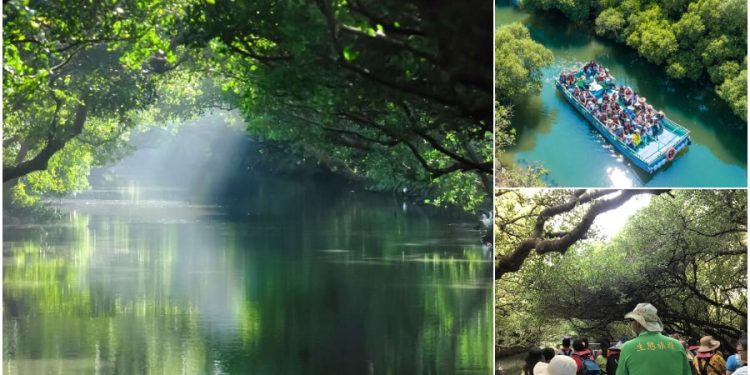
(707, 361)
(650, 352)
(613, 357)
(559, 365)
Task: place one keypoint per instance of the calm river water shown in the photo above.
(296, 280)
(551, 132)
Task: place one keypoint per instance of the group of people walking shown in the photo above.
(650, 352)
(620, 109)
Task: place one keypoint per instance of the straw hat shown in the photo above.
(642, 99)
(645, 315)
(708, 344)
(560, 365)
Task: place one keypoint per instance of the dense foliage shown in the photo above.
(518, 64)
(685, 253)
(76, 76)
(692, 39)
(395, 95)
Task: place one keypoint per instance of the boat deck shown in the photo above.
(654, 149)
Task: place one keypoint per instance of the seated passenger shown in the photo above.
(636, 138)
(650, 130)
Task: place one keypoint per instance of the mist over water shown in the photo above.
(190, 257)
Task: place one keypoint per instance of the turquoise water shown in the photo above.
(552, 133)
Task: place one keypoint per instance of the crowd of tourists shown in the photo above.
(650, 352)
(627, 116)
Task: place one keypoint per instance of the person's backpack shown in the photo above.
(704, 364)
(588, 366)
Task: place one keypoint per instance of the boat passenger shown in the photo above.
(620, 131)
(629, 140)
(650, 130)
(581, 82)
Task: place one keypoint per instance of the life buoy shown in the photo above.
(671, 153)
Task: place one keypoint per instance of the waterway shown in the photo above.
(292, 277)
(551, 133)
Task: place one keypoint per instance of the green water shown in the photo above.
(298, 280)
(552, 133)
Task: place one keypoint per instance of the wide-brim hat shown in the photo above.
(560, 365)
(708, 344)
(645, 315)
(642, 99)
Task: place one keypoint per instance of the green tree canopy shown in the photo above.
(389, 93)
(693, 39)
(685, 253)
(518, 63)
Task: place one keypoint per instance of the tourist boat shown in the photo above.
(650, 155)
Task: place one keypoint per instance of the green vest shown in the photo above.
(652, 353)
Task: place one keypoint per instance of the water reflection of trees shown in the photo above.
(129, 297)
